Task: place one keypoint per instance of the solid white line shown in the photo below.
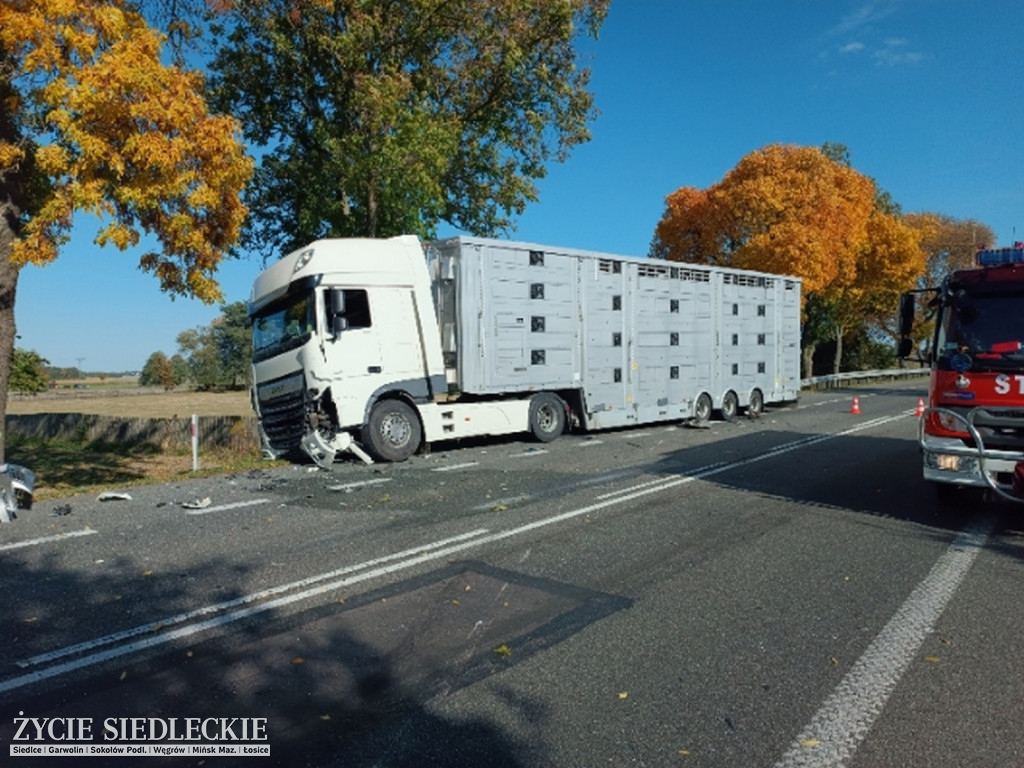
(222, 507)
(46, 539)
(588, 443)
(843, 721)
(455, 466)
(156, 626)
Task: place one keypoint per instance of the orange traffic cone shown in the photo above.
(855, 410)
(919, 412)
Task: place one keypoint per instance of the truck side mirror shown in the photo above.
(906, 313)
(336, 311)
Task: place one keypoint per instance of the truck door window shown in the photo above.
(357, 308)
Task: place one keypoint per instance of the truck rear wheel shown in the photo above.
(702, 409)
(393, 431)
(547, 416)
(756, 406)
(730, 406)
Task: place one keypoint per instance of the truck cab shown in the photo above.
(350, 311)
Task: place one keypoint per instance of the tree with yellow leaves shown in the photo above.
(949, 244)
(92, 121)
(796, 210)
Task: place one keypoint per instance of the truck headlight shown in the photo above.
(948, 462)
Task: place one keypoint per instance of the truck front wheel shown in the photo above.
(393, 431)
(547, 416)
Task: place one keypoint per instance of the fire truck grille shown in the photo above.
(1000, 428)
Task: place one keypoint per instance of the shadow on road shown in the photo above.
(345, 683)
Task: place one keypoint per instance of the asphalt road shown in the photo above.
(784, 591)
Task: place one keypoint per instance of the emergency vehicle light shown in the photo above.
(991, 257)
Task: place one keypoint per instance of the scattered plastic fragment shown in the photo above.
(61, 511)
(197, 504)
(16, 486)
(113, 496)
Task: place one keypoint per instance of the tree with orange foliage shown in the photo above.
(794, 210)
(949, 244)
(92, 121)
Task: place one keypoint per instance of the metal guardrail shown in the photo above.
(842, 379)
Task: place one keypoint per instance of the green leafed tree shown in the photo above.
(379, 117)
(219, 355)
(157, 372)
(28, 372)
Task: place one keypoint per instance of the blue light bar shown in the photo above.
(991, 257)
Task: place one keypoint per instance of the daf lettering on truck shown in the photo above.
(379, 346)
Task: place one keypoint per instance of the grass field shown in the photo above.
(134, 403)
(65, 468)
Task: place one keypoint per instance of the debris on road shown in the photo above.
(197, 504)
(113, 496)
(16, 486)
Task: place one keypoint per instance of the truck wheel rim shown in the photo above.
(546, 418)
(395, 430)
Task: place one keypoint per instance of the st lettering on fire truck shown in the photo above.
(972, 432)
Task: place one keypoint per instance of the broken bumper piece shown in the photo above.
(17, 484)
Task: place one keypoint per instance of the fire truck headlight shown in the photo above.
(948, 462)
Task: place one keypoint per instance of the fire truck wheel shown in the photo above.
(547, 416)
(702, 409)
(393, 431)
(730, 406)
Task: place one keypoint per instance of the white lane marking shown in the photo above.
(843, 721)
(534, 452)
(588, 443)
(181, 618)
(46, 539)
(699, 472)
(412, 557)
(358, 484)
(222, 507)
(455, 466)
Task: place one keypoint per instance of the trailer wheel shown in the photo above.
(547, 416)
(756, 406)
(393, 431)
(730, 406)
(702, 409)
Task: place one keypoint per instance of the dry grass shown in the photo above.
(134, 403)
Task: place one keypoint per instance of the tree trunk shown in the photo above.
(838, 358)
(839, 353)
(808, 355)
(8, 287)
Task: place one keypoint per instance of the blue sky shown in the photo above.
(928, 95)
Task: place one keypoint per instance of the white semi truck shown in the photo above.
(379, 346)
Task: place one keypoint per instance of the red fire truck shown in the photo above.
(972, 432)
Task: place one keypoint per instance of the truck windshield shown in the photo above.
(989, 328)
(283, 325)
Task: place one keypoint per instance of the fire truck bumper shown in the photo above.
(950, 461)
